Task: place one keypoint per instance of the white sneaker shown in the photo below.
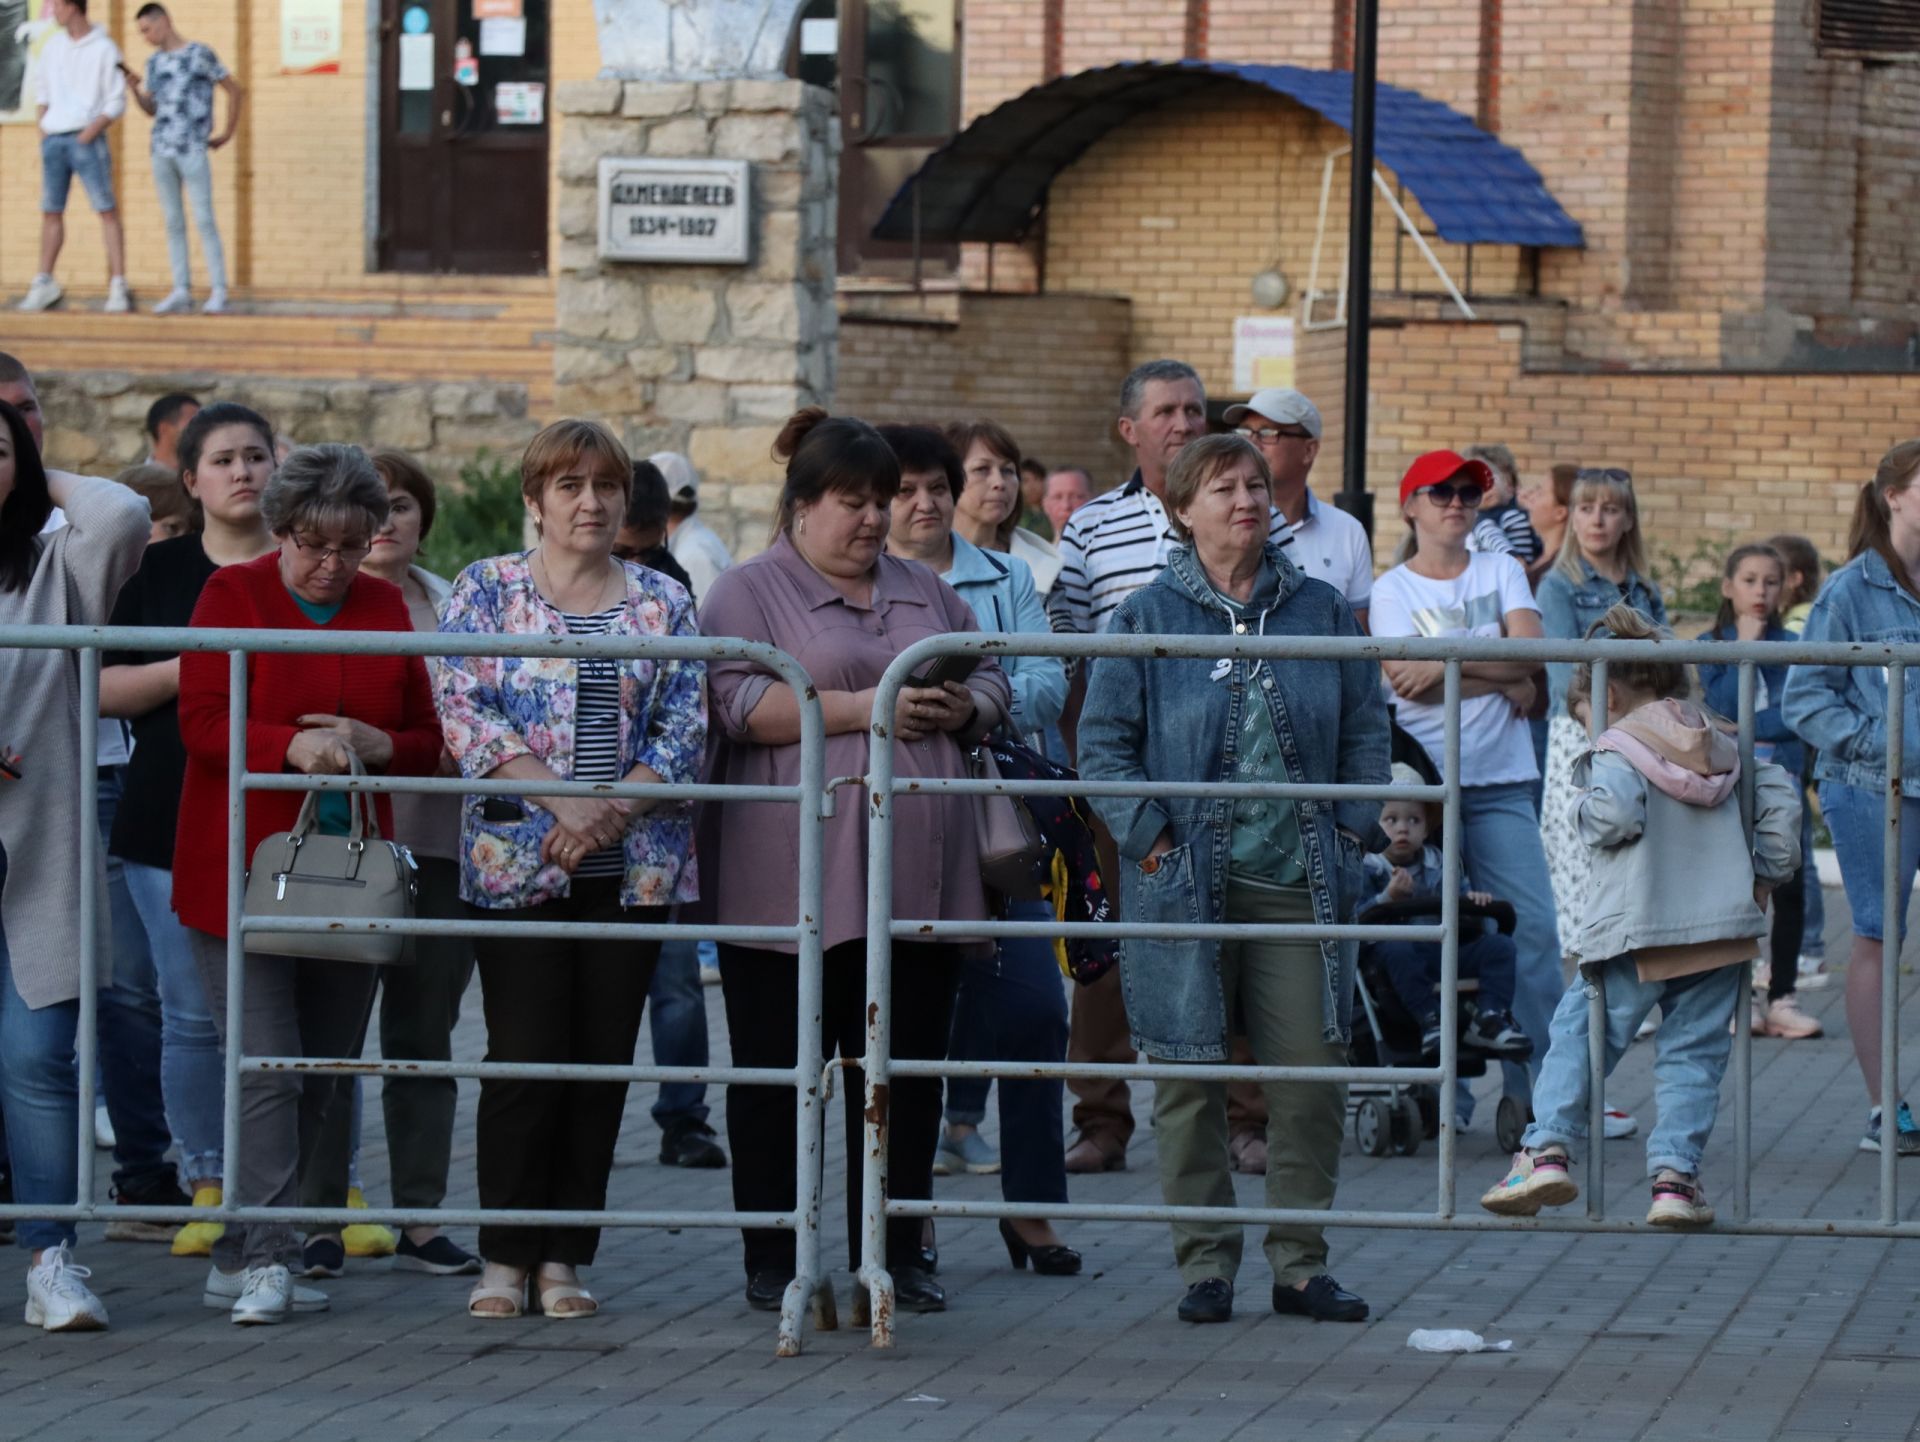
(1617, 1125)
(266, 1297)
(57, 1295)
(223, 1289)
(118, 301)
(1648, 1027)
(177, 300)
(43, 293)
(103, 1137)
(216, 304)
(1813, 974)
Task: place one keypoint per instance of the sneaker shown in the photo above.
(57, 1296)
(1786, 1020)
(162, 1192)
(196, 1239)
(216, 304)
(1531, 1183)
(688, 1142)
(438, 1256)
(266, 1297)
(1498, 1034)
(323, 1256)
(176, 301)
(971, 1155)
(223, 1289)
(709, 975)
(1617, 1125)
(118, 301)
(1648, 1027)
(103, 1137)
(1430, 1040)
(366, 1239)
(1756, 1016)
(1678, 1201)
(1813, 974)
(42, 294)
(1906, 1139)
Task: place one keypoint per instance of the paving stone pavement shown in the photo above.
(1615, 1337)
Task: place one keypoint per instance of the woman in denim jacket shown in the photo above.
(1841, 712)
(1207, 861)
(1603, 563)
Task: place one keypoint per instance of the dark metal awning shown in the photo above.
(990, 181)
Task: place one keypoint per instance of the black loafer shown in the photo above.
(1322, 1299)
(1208, 1301)
(323, 1257)
(691, 1144)
(766, 1290)
(916, 1291)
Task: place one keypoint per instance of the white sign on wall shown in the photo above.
(682, 211)
(1262, 352)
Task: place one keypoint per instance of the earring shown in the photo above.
(800, 524)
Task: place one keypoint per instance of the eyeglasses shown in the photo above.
(320, 555)
(1611, 474)
(1263, 434)
(1447, 494)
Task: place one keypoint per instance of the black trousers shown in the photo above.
(550, 1144)
(762, 990)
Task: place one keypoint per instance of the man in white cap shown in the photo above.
(1327, 542)
(700, 552)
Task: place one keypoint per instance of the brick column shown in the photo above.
(704, 359)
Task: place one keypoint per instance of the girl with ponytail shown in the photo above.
(1841, 711)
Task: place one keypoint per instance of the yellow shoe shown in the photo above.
(196, 1239)
(366, 1239)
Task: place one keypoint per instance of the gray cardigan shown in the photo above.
(77, 575)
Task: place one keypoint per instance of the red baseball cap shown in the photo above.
(1437, 466)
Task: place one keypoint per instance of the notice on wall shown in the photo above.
(497, 9)
(1262, 352)
(416, 62)
(520, 102)
(311, 34)
(687, 211)
(503, 37)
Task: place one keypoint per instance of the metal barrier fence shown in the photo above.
(811, 797)
(883, 928)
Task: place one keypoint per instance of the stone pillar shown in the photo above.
(704, 359)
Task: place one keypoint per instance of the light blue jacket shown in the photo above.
(1841, 711)
(999, 590)
(1177, 719)
(1568, 610)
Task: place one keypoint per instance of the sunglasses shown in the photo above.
(1446, 494)
(1612, 474)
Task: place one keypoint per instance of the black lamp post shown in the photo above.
(1355, 499)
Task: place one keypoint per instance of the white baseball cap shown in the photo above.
(678, 472)
(1282, 407)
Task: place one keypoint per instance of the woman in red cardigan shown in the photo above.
(304, 713)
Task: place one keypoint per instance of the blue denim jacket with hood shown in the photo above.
(1720, 687)
(998, 589)
(1177, 719)
(1841, 711)
(1569, 609)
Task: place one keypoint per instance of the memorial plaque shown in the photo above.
(690, 212)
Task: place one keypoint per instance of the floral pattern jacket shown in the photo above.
(493, 709)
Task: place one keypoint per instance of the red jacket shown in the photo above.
(389, 692)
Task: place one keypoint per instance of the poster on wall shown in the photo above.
(1262, 352)
(25, 27)
(310, 37)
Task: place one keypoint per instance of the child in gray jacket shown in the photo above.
(1674, 919)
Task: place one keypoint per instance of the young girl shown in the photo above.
(1804, 576)
(1659, 810)
(1841, 711)
(1602, 564)
(1750, 590)
(1802, 559)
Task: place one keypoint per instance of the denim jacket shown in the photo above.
(1773, 739)
(1568, 609)
(1177, 719)
(999, 590)
(1841, 711)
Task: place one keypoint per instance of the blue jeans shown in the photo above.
(129, 1027)
(62, 157)
(1538, 728)
(1502, 854)
(1414, 969)
(193, 1076)
(1689, 1058)
(1012, 1006)
(677, 1022)
(40, 1100)
(1813, 936)
(1858, 820)
(194, 171)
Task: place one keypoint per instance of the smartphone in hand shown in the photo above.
(944, 669)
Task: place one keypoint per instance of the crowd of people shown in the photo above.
(1576, 811)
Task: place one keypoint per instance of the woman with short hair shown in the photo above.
(987, 508)
(315, 714)
(549, 1145)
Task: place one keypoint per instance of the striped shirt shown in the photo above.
(596, 726)
(1111, 547)
(1505, 530)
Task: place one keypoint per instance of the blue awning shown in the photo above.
(990, 181)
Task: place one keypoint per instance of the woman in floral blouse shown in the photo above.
(565, 858)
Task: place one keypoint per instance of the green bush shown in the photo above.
(1691, 582)
(480, 517)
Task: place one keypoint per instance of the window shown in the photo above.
(1870, 27)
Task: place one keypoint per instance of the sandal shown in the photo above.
(563, 1290)
(515, 1296)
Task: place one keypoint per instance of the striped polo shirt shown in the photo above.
(1111, 547)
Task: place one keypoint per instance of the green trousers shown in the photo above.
(1276, 986)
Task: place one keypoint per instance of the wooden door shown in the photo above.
(464, 120)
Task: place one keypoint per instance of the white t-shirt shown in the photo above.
(1495, 744)
(1332, 546)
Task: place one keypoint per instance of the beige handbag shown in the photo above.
(356, 877)
(1011, 846)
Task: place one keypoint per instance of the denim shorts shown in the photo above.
(61, 158)
(1857, 818)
